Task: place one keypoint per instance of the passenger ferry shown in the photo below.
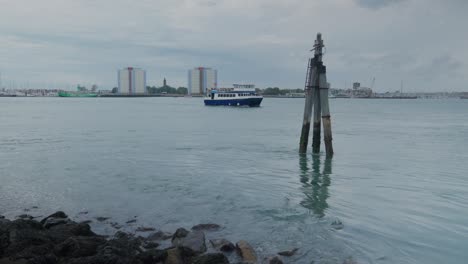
(234, 97)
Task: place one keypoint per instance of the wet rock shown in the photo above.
(145, 229)
(174, 256)
(35, 207)
(58, 214)
(116, 225)
(79, 246)
(2, 217)
(152, 256)
(192, 244)
(178, 235)
(349, 260)
(273, 260)
(53, 221)
(86, 222)
(25, 216)
(206, 227)
(131, 221)
(160, 235)
(150, 245)
(246, 251)
(288, 253)
(211, 258)
(222, 244)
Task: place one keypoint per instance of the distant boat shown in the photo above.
(241, 97)
(76, 94)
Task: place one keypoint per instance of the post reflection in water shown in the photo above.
(315, 183)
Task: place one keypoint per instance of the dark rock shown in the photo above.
(211, 258)
(145, 229)
(86, 222)
(192, 244)
(83, 212)
(79, 246)
(98, 259)
(30, 252)
(122, 245)
(274, 260)
(222, 244)
(152, 256)
(159, 235)
(25, 216)
(179, 234)
(246, 251)
(60, 233)
(174, 256)
(35, 207)
(58, 214)
(206, 227)
(21, 234)
(150, 245)
(131, 221)
(53, 221)
(9, 261)
(26, 209)
(102, 219)
(2, 217)
(43, 259)
(288, 253)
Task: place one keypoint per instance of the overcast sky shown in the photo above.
(62, 43)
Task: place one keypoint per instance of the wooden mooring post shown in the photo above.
(316, 97)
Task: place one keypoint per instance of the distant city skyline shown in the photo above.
(264, 42)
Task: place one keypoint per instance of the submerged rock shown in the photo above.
(116, 225)
(25, 216)
(131, 221)
(206, 227)
(222, 244)
(211, 258)
(145, 229)
(246, 251)
(102, 219)
(288, 253)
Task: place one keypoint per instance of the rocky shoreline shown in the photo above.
(57, 239)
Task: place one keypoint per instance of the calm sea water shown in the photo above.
(398, 182)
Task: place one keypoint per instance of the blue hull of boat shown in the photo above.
(252, 102)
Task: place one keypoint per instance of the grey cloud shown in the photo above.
(377, 4)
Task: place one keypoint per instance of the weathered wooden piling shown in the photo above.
(316, 94)
(327, 133)
(309, 98)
